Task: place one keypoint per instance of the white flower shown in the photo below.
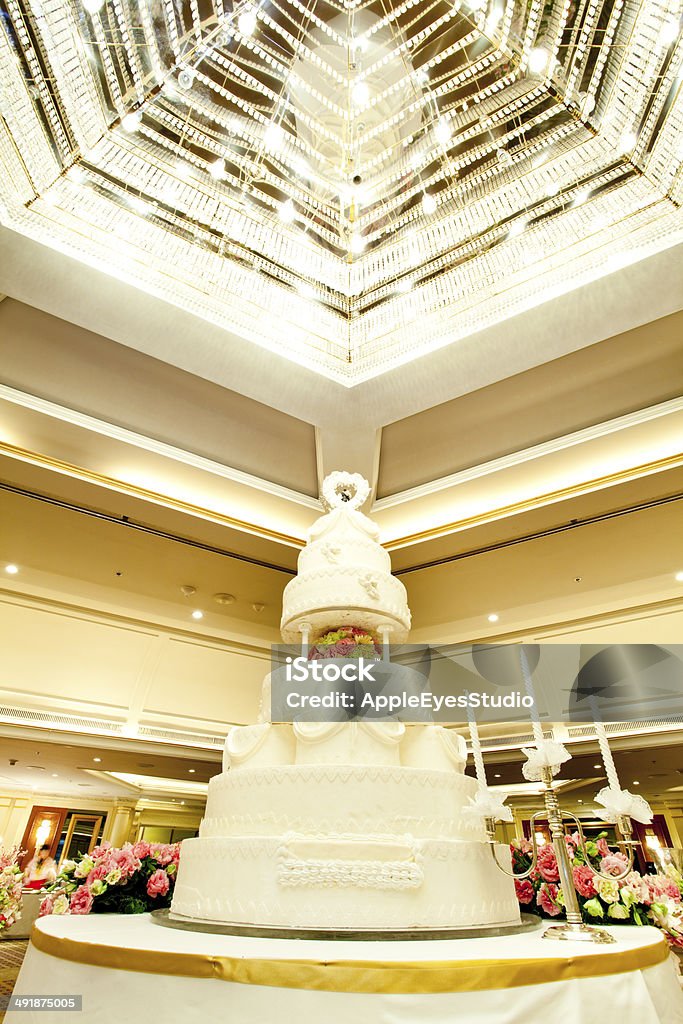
(608, 890)
(113, 876)
(60, 905)
(84, 868)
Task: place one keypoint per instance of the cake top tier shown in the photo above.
(344, 573)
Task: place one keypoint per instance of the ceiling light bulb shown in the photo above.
(538, 60)
(97, 760)
(360, 93)
(246, 22)
(581, 196)
(12, 569)
(493, 617)
(428, 202)
(678, 577)
(93, 6)
(494, 18)
(185, 78)
(627, 142)
(287, 211)
(357, 243)
(217, 169)
(517, 229)
(274, 136)
(131, 122)
(442, 131)
(476, 5)
(191, 771)
(196, 614)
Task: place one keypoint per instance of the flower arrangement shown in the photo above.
(11, 884)
(636, 899)
(131, 880)
(346, 642)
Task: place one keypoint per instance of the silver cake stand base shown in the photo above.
(166, 919)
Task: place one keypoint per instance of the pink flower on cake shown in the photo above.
(584, 881)
(158, 883)
(547, 864)
(547, 899)
(524, 890)
(614, 864)
(81, 901)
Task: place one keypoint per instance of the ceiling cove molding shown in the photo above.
(539, 451)
(537, 501)
(155, 447)
(157, 498)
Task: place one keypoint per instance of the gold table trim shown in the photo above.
(409, 977)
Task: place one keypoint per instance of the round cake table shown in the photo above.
(127, 969)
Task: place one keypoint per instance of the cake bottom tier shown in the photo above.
(344, 882)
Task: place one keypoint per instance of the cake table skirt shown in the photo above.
(129, 970)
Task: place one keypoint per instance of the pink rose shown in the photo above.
(603, 848)
(584, 881)
(546, 898)
(524, 890)
(141, 850)
(81, 902)
(158, 884)
(126, 860)
(547, 864)
(98, 872)
(614, 864)
(101, 850)
(46, 906)
(164, 854)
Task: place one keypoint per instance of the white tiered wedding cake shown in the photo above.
(336, 824)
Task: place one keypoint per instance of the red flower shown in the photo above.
(524, 890)
(584, 881)
(547, 900)
(547, 864)
(81, 901)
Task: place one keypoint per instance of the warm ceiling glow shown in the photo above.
(493, 617)
(97, 760)
(12, 569)
(197, 614)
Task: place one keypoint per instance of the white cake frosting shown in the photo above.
(363, 824)
(344, 578)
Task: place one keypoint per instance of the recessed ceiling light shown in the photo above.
(97, 759)
(286, 211)
(357, 243)
(246, 22)
(55, 775)
(442, 131)
(12, 569)
(191, 770)
(131, 122)
(597, 766)
(635, 782)
(493, 617)
(496, 776)
(428, 203)
(627, 142)
(579, 801)
(197, 614)
(678, 577)
(182, 801)
(360, 93)
(538, 60)
(274, 136)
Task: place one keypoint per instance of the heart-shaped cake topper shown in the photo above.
(345, 490)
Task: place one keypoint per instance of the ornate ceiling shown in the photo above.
(352, 184)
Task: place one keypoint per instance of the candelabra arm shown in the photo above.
(491, 834)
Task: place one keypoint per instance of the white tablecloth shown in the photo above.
(109, 960)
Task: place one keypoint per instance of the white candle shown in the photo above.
(529, 687)
(479, 769)
(605, 752)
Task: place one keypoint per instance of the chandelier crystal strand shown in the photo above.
(529, 687)
(603, 743)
